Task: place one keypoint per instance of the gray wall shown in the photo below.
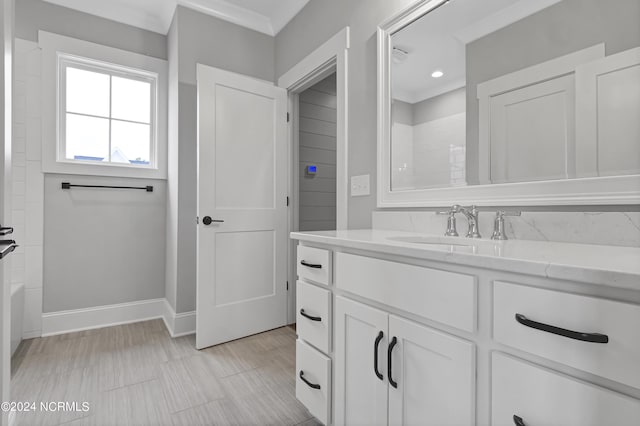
(317, 142)
(315, 24)
(35, 15)
(102, 246)
(444, 105)
(558, 30)
(210, 41)
(401, 112)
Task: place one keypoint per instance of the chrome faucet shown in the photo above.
(471, 213)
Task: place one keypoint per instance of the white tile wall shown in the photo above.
(33, 267)
(32, 322)
(28, 186)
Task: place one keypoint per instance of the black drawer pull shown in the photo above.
(6, 230)
(585, 337)
(394, 342)
(311, 385)
(375, 356)
(517, 420)
(9, 247)
(306, 315)
(310, 265)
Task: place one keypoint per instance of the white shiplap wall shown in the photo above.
(318, 146)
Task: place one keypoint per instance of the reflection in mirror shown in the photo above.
(503, 91)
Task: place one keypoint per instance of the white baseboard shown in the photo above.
(181, 324)
(31, 334)
(70, 321)
(101, 316)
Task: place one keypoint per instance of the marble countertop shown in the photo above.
(597, 264)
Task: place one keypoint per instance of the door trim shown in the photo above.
(329, 57)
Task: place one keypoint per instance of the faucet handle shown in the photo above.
(498, 224)
(453, 210)
(451, 222)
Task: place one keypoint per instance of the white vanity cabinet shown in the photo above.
(391, 369)
(425, 337)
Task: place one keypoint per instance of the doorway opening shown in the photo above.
(317, 89)
(316, 148)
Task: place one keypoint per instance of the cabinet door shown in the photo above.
(360, 395)
(432, 378)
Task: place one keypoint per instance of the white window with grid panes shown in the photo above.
(104, 110)
(107, 113)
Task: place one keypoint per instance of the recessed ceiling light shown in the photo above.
(437, 74)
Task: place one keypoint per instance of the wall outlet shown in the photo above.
(360, 186)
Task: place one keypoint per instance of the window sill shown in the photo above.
(102, 170)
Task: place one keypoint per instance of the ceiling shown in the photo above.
(438, 40)
(265, 16)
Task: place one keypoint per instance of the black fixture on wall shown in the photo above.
(67, 185)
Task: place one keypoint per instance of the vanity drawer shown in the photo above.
(542, 397)
(616, 360)
(314, 264)
(315, 390)
(313, 315)
(446, 297)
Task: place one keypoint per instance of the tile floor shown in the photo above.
(136, 374)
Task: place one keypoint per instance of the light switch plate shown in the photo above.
(360, 186)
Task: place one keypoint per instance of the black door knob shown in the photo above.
(207, 220)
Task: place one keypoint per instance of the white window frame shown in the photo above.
(59, 52)
(70, 61)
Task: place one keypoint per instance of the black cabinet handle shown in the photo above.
(311, 385)
(517, 420)
(306, 315)
(6, 230)
(9, 246)
(375, 356)
(310, 265)
(585, 337)
(394, 342)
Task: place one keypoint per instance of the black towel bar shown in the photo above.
(67, 185)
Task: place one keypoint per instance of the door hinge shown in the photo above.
(287, 285)
(197, 220)
(287, 117)
(287, 201)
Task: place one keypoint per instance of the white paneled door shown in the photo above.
(242, 184)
